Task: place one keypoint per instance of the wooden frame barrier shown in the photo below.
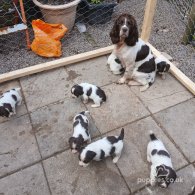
(146, 30)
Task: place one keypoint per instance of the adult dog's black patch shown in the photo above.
(89, 156)
(89, 91)
(154, 152)
(112, 139)
(102, 155)
(14, 97)
(163, 153)
(148, 66)
(112, 151)
(101, 94)
(142, 53)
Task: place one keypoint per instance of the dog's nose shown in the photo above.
(124, 30)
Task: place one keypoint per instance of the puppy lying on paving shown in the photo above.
(162, 171)
(8, 102)
(80, 132)
(98, 150)
(88, 91)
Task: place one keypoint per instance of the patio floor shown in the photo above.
(34, 154)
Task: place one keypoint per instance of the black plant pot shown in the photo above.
(96, 13)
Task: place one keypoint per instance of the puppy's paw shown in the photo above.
(121, 81)
(115, 159)
(95, 105)
(85, 101)
(144, 88)
(163, 77)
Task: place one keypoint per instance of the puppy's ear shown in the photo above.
(80, 140)
(133, 32)
(114, 33)
(4, 112)
(71, 140)
(78, 90)
(167, 67)
(171, 177)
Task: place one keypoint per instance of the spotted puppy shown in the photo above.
(115, 64)
(88, 91)
(162, 171)
(107, 146)
(8, 102)
(81, 132)
(161, 67)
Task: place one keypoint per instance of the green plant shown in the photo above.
(96, 1)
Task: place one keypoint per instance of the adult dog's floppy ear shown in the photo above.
(133, 32)
(114, 33)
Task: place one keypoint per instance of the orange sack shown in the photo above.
(47, 38)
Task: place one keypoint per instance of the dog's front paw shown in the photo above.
(95, 105)
(121, 81)
(85, 101)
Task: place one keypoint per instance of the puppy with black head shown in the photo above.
(162, 171)
(80, 132)
(162, 67)
(115, 64)
(8, 102)
(98, 150)
(88, 91)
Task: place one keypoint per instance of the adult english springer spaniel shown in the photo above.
(133, 53)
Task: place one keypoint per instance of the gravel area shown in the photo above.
(166, 36)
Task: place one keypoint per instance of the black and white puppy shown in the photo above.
(115, 64)
(80, 132)
(88, 91)
(162, 171)
(8, 102)
(161, 67)
(98, 150)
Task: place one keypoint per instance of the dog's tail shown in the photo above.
(17, 89)
(121, 136)
(152, 136)
(84, 112)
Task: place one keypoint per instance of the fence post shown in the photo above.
(190, 28)
(148, 19)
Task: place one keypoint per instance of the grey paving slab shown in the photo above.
(53, 125)
(163, 94)
(30, 181)
(20, 110)
(65, 176)
(179, 122)
(182, 186)
(121, 107)
(94, 71)
(18, 146)
(45, 88)
(133, 162)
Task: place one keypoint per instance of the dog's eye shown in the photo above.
(128, 23)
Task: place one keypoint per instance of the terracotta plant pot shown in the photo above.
(59, 14)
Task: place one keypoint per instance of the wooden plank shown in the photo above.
(181, 77)
(54, 64)
(148, 19)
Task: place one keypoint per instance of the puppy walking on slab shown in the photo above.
(8, 102)
(98, 150)
(162, 171)
(88, 91)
